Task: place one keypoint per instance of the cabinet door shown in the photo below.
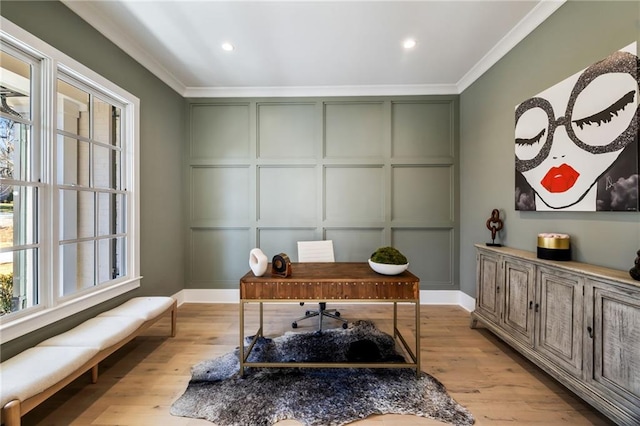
(488, 285)
(560, 318)
(616, 343)
(517, 313)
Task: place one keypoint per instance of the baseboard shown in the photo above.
(427, 297)
(202, 295)
(466, 301)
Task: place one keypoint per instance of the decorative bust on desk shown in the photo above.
(258, 262)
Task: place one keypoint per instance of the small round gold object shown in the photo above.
(563, 243)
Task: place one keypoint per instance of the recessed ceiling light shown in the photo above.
(409, 43)
(228, 47)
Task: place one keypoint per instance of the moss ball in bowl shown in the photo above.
(388, 261)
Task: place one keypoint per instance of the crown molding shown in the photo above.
(87, 12)
(313, 91)
(538, 15)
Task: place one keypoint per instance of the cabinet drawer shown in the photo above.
(519, 293)
(488, 286)
(616, 343)
(560, 318)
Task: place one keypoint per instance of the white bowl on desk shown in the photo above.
(388, 269)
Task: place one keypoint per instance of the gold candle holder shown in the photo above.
(553, 246)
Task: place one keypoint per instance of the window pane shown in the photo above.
(77, 265)
(106, 167)
(107, 214)
(121, 257)
(19, 152)
(117, 174)
(15, 86)
(73, 161)
(116, 137)
(102, 121)
(77, 214)
(15, 150)
(18, 218)
(73, 109)
(8, 139)
(18, 280)
(110, 214)
(110, 259)
(121, 214)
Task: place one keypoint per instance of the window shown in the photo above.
(91, 199)
(20, 178)
(68, 180)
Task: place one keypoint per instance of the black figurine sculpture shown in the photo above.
(494, 224)
(635, 271)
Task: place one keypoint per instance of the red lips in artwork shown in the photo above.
(560, 179)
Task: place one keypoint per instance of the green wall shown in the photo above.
(162, 120)
(365, 172)
(575, 36)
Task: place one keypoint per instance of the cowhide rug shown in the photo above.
(327, 397)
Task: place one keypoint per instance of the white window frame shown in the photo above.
(51, 306)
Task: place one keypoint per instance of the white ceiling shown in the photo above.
(324, 48)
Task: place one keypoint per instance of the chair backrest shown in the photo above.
(315, 251)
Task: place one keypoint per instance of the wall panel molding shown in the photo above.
(364, 171)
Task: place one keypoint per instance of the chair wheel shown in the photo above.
(344, 325)
(337, 313)
(294, 325)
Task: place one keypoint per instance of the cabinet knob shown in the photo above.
(530, 304)
(590, 331)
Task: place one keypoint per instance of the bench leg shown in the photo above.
(94, 373)
(11, 413)
(174, 318)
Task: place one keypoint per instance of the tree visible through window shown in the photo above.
(19, 243)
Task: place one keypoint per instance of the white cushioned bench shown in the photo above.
(32, 376)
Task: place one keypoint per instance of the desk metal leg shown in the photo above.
(415, 356)
(395, 319)
(241, 345)
(242, 353)
(417, 338)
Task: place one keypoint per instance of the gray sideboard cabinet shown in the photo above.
(578, 322)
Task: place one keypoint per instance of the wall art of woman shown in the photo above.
(576, 143)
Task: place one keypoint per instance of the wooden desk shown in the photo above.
(324, 282)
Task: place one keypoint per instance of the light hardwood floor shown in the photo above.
(138, 384)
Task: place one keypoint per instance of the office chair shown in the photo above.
(318, 251)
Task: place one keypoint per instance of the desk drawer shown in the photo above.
(259, 290)
(329, 291)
